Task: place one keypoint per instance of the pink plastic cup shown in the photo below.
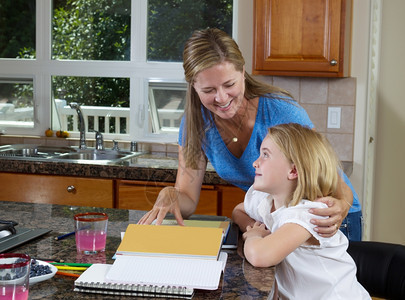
(14, 276)
(91, 232)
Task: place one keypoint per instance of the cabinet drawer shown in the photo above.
(65, 190)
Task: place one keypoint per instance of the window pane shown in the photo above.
(166, 105)
(91, 29)
(104, 103)
(17, 29)
(171, 22)
(16, 103)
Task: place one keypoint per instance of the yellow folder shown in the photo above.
(201, 223)
(171, 241)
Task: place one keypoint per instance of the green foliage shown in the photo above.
(17, 27)
(171, 22)
(91, 30)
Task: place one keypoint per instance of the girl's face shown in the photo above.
(221, 89)
(273, 170)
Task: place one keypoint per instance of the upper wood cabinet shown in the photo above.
(302, 38)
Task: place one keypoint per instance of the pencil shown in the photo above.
(64, 236)
(70, 264)
(71, 268)
(67, 274)
(50, 260)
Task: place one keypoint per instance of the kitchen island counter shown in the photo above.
(240, 279)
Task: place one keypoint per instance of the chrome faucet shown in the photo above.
(99, 141)
(134, 146)
(82, 127)
(115, 146)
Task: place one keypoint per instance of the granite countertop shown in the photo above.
(240, 279)
(156, 167)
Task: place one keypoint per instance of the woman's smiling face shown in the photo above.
(221, 89)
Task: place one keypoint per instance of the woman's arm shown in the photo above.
(182, 199)
(241, 218)
(337, 210)
(265, 249)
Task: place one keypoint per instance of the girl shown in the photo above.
(296, 166)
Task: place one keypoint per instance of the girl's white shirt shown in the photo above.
(324, 271)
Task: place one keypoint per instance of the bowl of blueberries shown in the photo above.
(40, 271)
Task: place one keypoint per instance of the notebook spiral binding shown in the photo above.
(135, 290)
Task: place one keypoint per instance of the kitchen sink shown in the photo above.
(66, 154)
(93, 155)
(32, 151)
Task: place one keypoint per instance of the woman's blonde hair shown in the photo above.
(205, 49)
(314, 158)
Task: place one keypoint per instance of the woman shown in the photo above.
(227, 115)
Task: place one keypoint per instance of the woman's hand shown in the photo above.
(336, 211)
(166, 202)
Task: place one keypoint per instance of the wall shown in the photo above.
(388, 198)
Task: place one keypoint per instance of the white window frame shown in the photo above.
(137, 69)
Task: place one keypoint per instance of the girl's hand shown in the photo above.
(167, 201)
(336, 211)
(257, 230)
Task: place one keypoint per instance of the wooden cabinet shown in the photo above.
(230, 196)
(214, 199)
(126, 194)
(66, 190)
(302, 37)
(141, 195)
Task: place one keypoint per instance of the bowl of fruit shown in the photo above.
(41, 270)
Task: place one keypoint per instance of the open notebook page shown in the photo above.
(160, 271)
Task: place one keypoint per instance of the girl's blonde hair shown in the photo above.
(314, 158)
(205, 49)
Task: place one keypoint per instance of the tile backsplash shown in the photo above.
(314, 94)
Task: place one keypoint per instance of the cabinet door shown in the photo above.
(302, 37)
(230, 197)
(56, 190)
(141, 195)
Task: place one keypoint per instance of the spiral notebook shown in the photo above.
(93, 280)
(168, 271)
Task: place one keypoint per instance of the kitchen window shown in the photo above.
(120, 60)
(16, 103)
(166, 102)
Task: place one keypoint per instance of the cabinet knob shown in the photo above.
(71, 189)
(333, 62)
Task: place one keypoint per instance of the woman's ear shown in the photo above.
(293, 174)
